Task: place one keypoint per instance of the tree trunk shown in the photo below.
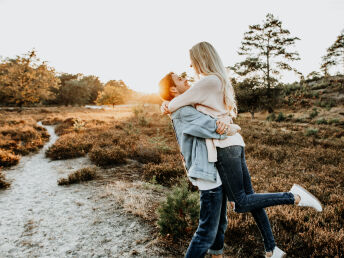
(252, 114)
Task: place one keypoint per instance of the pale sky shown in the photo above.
(139, 41)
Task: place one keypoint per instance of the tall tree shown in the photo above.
(25, 80)
(334, 55)
(266, 48)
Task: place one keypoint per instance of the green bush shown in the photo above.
(328, 104)
(322, 121)
(178, 215)
(311, 131)
(271, 117)
(333, 121)
(83, 174)
(281, 117)
(299, 120)
(314, 113)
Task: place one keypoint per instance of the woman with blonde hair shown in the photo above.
(214, 95)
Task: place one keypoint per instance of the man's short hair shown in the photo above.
(165, 85)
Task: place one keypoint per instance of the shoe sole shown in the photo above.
(316, 199)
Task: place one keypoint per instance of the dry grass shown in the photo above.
(139, 198)
(278, 154)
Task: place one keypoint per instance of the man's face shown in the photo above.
(181, 83)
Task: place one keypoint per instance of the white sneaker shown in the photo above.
(277, 253)
(307, 199)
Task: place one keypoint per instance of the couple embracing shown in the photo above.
(214, 154)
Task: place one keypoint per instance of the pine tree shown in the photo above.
(178, 215)
(266, 47)
(334, 55)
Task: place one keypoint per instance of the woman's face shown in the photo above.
(181, 83)
(194, 67)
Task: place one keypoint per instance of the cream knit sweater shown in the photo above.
(206, 96)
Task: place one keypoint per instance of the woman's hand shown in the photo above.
(233, 129)
(225, 128)
(222, 127)
(164, 108)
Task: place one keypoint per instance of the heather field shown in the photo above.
(134, 154)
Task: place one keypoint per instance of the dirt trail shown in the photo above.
(38, 218)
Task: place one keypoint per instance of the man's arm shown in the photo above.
(199, 124)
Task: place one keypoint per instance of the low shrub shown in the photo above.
(78, 125)
(8, 158)
(22, 138)
(66, 126)
(333, 121)
(281, 117)
(271, 117)
(311, 131)
(83, 174)
(52, 121)
(328, 104)
(314, 113)
(140, 115)
(165, 173)
(299, 120)
(322, 121)
(107, 155)
(146, 154)
(69, 146)
(178, 215)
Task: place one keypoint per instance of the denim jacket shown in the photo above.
(192, 128)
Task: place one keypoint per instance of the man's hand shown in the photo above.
(164, 108)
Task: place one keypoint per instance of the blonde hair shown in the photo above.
(206, 61)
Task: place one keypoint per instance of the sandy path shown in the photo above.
(38, 218)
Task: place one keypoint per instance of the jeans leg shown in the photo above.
(259, 215)
(210, 209)
(217, 246)
(230, 165)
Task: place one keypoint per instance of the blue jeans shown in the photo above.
(236, 181)
(209, 236)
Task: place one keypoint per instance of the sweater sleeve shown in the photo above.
(197, 94)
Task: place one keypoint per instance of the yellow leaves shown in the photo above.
(24, 81)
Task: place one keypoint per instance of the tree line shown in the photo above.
(268, 50)
(26, 81)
